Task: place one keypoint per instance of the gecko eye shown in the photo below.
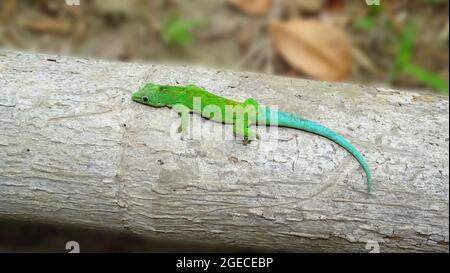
(145, 99)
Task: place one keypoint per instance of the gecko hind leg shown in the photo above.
(240, 129)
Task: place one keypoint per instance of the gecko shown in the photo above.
(251, 113)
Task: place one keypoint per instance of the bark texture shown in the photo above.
(75, 149)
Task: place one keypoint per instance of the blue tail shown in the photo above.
(296, 122)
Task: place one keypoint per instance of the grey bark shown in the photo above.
(75, 149)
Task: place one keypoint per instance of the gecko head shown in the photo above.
(151, 94)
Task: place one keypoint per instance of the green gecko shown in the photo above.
(251, 114)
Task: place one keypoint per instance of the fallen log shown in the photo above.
(74, 149)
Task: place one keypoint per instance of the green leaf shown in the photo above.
(369, 21)
(178, 31)
(403, 63)
(403, 56)
(375, 9)
(430, 79)
(365, 23)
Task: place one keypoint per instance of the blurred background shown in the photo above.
(397, 43)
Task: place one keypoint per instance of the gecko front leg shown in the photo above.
(183, 113)
(242, 123)
(240, 128)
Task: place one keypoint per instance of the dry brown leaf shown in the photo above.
(59, 26)
(254, 7)
(317, 49)
(7, 9)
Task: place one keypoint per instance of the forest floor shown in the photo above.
(399, 43)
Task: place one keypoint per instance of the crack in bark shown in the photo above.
(122, 197)
(82, 115)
